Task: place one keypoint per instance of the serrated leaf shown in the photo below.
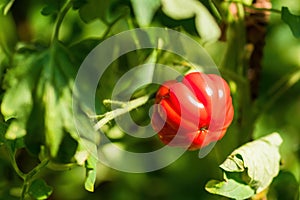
(205, 24)
(229, 188)
(260, 159)
(44, 80)
(144, 10)
(293, 21)
(39, 189)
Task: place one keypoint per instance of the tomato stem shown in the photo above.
(127, 107)
(60, 19)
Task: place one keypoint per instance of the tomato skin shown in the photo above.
(193, 112)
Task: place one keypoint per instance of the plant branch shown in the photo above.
(278, 89)
(60, 19)
(14, 164)
(127, 107)
(29, 177)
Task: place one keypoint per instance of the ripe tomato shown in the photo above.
(193, 112)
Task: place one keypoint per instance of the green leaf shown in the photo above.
(206, 25)
(229, 188)
(90, 179)
(3, 128)
(53, 120)
(44, 79)
(260, 159)
(8, 35)
(286, 186)
(144, 10)
(179, 9)
(67, 149)
(52, 7)
(78, 3)
(15, 130)
(105, 10)
(39, 189)
(91, 173)
(293, 21)
(14, 107)
(5, 6)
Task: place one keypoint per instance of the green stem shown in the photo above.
(120, 111)
(15, 165)
(109, 102)
(60, 19)
(29, 177)
(111, 25)
(278, 89)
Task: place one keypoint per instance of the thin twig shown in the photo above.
(120, 111)
(60, 19)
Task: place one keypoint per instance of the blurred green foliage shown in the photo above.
(43, 43)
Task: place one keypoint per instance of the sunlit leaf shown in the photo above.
(5, 6)
(230, 188)
(260, 159)
(249, 169)
(13, 107)
(178, 9)
(292, 20)
(91, 173)
(205, 24)
(144, 10)
(44, 80)
(39, 189)
(15, 130)
(53, 120)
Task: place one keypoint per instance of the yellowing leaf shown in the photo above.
(249, 169)
(260, 158)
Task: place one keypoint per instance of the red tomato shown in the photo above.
(193, 112)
